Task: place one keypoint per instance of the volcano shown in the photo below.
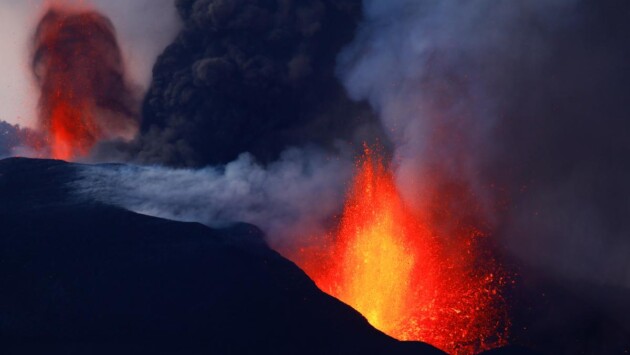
(83, 276)
(233, 210)
(79, 276)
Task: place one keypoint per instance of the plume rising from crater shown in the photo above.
(85, 96)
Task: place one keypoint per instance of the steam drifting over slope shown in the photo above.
(289, 199)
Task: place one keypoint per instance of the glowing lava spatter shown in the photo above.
(394, 268)
(84, 93)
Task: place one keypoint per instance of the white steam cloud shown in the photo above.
(294, 197)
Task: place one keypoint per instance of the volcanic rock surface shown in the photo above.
(80, 277)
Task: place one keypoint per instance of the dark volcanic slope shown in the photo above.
(86, 278)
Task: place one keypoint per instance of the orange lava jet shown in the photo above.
(84, 94)
(408, 280)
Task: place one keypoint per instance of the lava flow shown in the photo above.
(84, 94)
(399, 272)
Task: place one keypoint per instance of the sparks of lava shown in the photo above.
(84, 93)
(395, 269)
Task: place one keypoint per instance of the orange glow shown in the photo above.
(65, 71)
(407, 280)
(78, 66)
(71, 132)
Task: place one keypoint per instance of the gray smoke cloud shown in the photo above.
(513, 98)
(244, 76)
(431, 66)
(291, 198)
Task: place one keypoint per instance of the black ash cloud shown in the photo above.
(249, 76)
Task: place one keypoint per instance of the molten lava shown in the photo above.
(406, 278)
(84, 94)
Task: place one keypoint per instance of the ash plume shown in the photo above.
(524, 103)
(243, 84)
(248, 76)
(255, 78)
(85, 95)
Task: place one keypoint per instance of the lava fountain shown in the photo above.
(394, 266)
(85, 96)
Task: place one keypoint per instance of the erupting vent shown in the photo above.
(84, 95)
(403, 276)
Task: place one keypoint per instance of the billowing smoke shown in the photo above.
(255, 77)
(509, 116)
(249, 76)
(85, 95)
(524, 103)
(516, 106)
(290, 199)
